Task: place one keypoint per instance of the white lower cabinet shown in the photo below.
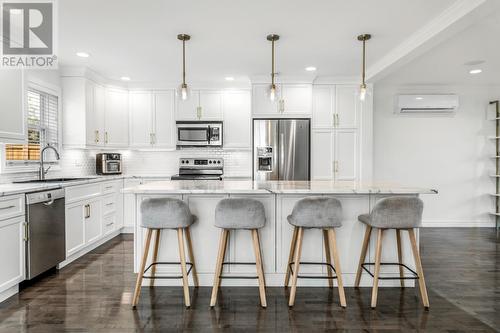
(11, 253)
(93, 211)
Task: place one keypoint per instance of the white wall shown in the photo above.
(447, 152)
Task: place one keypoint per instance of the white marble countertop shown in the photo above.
(275, 187)
(20, 188)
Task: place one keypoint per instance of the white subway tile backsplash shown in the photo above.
(75, 162)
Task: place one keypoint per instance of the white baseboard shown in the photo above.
(457, 224)
(127, 230)
(9, 292)
(87, 249)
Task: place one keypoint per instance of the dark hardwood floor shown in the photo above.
(94, 293)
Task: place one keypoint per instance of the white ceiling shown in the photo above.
(138, 38)
(445, 63)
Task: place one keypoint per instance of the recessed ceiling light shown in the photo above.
(310, 68)
(83, 54)
(419, 98)
(125, 78)
(16, 11)
(229, 78)
(475, 71)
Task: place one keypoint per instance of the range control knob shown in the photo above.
(209, 162)
(218, 162)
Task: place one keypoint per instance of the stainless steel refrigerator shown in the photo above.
(281, 149)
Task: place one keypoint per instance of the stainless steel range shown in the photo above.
(200, 169)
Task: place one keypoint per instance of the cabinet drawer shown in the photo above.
(109, 204)
(11, 206)
(111, 187)
(109, 224)
(82, 192)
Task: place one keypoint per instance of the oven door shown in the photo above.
(193, 134)
(112, 167)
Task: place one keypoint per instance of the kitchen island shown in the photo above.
(278, 198)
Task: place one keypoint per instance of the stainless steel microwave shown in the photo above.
(199, 133)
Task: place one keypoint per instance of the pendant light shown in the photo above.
(362, 88)
(183, 89)
(272, 92)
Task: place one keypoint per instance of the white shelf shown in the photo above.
(495, 119)
(494, 156)
(494, 137)
(495, 214)
(495, 176)
(495, 194)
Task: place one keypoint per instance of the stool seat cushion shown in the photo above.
(398, 212)
(165, 213)
(317, 212)
(240, 213)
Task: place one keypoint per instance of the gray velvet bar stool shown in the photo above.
(239, 214)
(159, 214)
(315, 213)
(399, 213)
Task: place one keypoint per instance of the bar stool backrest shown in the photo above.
(165, 213)
(398, 212)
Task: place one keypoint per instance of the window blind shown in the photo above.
(42, 122)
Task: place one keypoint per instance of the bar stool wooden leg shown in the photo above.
(298, 252)
(155, 256)
(191, 256)
(328, 257)
(336, 260)
(420, 271)
(400, 257)
(362, 257)
(378, 255)
(138, 283)
(258, 264)
(182, 257)
(218, 267)
(262, 260)
(293, 244)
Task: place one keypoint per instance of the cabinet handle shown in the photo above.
(110, 204)
(7, 207)
(96, 139)
(108, 187)
(198, 112)
(106, 137)
(338, 121)
(336, 166)
(26, 232)
(154, 138)
(87, 211)
(111, 223)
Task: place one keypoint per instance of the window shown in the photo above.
(42, 123)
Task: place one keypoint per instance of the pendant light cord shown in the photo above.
(364, 64)
(184, 62)
(272, 64)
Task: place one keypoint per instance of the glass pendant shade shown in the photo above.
(362, 92)
(272, 92)
(184, 92)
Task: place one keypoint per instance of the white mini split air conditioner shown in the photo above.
(427, 103)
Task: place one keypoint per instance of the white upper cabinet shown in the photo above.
(237, 119)
(296, 99)
(164, 119)
(347, 106)
(116, 118)
(335, 106)
(201, 105)
(291, 100)
(210, 105)
(323, 106)
(93, 116)
(189, 109)
(141, 118)
(12, 112)
(152, 121)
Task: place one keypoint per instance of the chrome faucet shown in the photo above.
(42, 171)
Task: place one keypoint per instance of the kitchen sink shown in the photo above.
(52, 180)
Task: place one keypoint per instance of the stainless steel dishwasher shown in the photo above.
(45, 231)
